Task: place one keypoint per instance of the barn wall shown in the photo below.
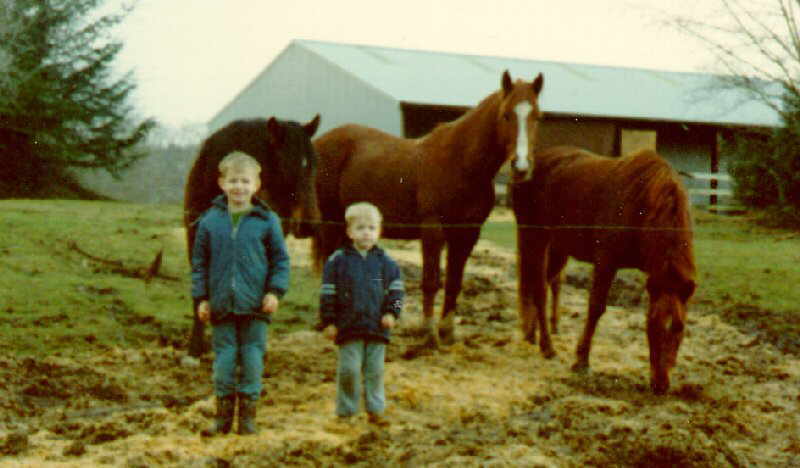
(598, 136)
(299, 84)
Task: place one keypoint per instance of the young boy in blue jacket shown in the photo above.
(240, 270)
(360, 300)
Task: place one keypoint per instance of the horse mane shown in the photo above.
(464, 119)
(448, 137)
(654, 188)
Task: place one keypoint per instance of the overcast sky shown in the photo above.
(191, 57)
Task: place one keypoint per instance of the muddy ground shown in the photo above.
(489, 400)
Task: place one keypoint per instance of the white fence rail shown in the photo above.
(717, 189)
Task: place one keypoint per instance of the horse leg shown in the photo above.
(555, 268)
(538, 287)
(601, 283)
(432, 243)
(197, 345)
(532, 253)
(460, 243)
(528, 259)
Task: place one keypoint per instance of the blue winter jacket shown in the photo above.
(358, 291)
(235, 268)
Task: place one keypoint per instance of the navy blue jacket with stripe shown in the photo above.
(235, 268)
(357, 291)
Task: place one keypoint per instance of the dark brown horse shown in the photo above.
(288, 166)
(627, 212)
(438, 188)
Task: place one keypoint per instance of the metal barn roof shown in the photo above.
(448, 79)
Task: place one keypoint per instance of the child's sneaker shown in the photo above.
(377, 419)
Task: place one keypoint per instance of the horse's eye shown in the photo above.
(507, 116)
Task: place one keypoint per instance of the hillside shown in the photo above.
(131, 399)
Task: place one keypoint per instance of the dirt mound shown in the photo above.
(488, 400)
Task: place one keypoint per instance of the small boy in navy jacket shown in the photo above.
(240, 269)
(360, 300)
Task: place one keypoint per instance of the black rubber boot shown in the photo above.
(247, 415)
(224, 418)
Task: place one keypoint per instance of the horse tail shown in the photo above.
(334, 150)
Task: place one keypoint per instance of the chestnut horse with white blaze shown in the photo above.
(626, 212)
(438, 188)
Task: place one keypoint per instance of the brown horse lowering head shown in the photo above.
(666, 321)
(670, 283)
(518, 123)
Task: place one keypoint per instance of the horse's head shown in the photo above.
(666, 320)
(518, 123)
(296, 166)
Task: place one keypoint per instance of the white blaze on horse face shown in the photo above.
(522, 110)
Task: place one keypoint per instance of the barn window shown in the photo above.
(636, 139)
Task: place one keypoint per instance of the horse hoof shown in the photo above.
(447, 336)
(432, 341)
(659, 388)
(580, 368)
(196, 350)
(531, 338)
(548, 353)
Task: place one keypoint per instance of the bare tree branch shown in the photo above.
(756, 45)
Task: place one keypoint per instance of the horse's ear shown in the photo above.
(538, 83)
(311, 127)
(275, 129)
(507, 84)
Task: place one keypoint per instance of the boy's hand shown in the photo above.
(388, 321)
(330, 332)
(269, 305)
(204, 311)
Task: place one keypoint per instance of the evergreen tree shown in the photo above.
(60, 105)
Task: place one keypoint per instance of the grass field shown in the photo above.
(68, 267)
(67, 272)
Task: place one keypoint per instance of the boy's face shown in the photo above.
(364, 232)
(239, 185)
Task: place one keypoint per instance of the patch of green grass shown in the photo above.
(749, 275)
(739, 262)
(502, 233)
(57, 299)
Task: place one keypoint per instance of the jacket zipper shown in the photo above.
(234, 230)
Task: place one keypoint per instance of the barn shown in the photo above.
(609, 110)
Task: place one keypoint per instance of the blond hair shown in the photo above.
(362, 210)
(238, 161)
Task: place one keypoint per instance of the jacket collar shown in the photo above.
(260, 207)
(349, 248)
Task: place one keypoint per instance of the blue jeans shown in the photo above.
(360, 359)
(239, 344)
